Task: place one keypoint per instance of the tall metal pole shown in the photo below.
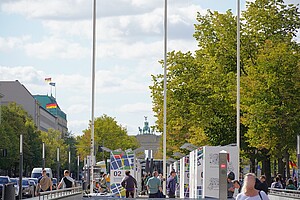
(93, 97)
(21, 167)
(69, 160)
(238, 86)
(298, 159)
(78, 162)
(58, 164)
(165, 100)
(103, 151)
(43, 155)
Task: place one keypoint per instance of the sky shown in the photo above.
(42, 38)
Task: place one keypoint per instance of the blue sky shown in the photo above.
(42, 38)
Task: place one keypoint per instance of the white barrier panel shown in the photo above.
(211, 168)
(199, 172)
(192, 175)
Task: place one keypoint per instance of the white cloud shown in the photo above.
(10, 43)
(56, 48)
(136, 107)
(27, 74)
(78, 126)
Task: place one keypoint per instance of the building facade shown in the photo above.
(44, 118)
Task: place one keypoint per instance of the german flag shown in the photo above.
(51, 105)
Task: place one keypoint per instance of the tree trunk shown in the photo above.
(280, 166)
(252, 165)
(287, 159)
(275, 168)
(266, 167)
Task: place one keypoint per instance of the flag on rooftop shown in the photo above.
(48, 79)
(51, 105)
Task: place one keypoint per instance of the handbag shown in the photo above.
(160, 194)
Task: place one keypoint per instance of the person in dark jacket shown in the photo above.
(171, 185)
(263, 186)
(130, 184)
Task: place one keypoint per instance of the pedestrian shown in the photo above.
(290, 185)
(248, 190)
(230, 188)
(66, 181)
(45, 183)
(277, 184)
(130, 185)
(154, 185)
(263, 185)
(171, 185)
(237, 188)
(103, 184)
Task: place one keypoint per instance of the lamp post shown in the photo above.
(165, 100)
(69, 160)
(1, 96)
(21, 167)
(238, 86)
(43, 155)
(58, 164)
(78, 162)
(93, 96)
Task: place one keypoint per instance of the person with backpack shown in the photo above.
(171, 185)
(66, 181)
(277, 184)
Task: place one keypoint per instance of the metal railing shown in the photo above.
(295, 194)
(55, 194)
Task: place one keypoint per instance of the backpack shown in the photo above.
(277, 185)
(68, 183)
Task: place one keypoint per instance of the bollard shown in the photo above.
(223, 175)
(8, 192)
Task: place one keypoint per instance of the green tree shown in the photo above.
(201, 93)
(106, 131)
(53, 140)
(15, 121)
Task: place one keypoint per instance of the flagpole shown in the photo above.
(55, 90)
(93, 98)
(165, 101)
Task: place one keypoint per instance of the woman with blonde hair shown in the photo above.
(248, 190)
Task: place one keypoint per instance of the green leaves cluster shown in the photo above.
(108, 132)
(15, 121)
(201, 86)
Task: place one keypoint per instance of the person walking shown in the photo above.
(45, 183)
(66, 181)
(130, 185)
(171, 185)
(154, 185)
(248, 190)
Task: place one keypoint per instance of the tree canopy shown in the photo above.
(201, 96)
(107, 132)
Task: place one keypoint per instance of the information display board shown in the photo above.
(120, 163)
(211, 168)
